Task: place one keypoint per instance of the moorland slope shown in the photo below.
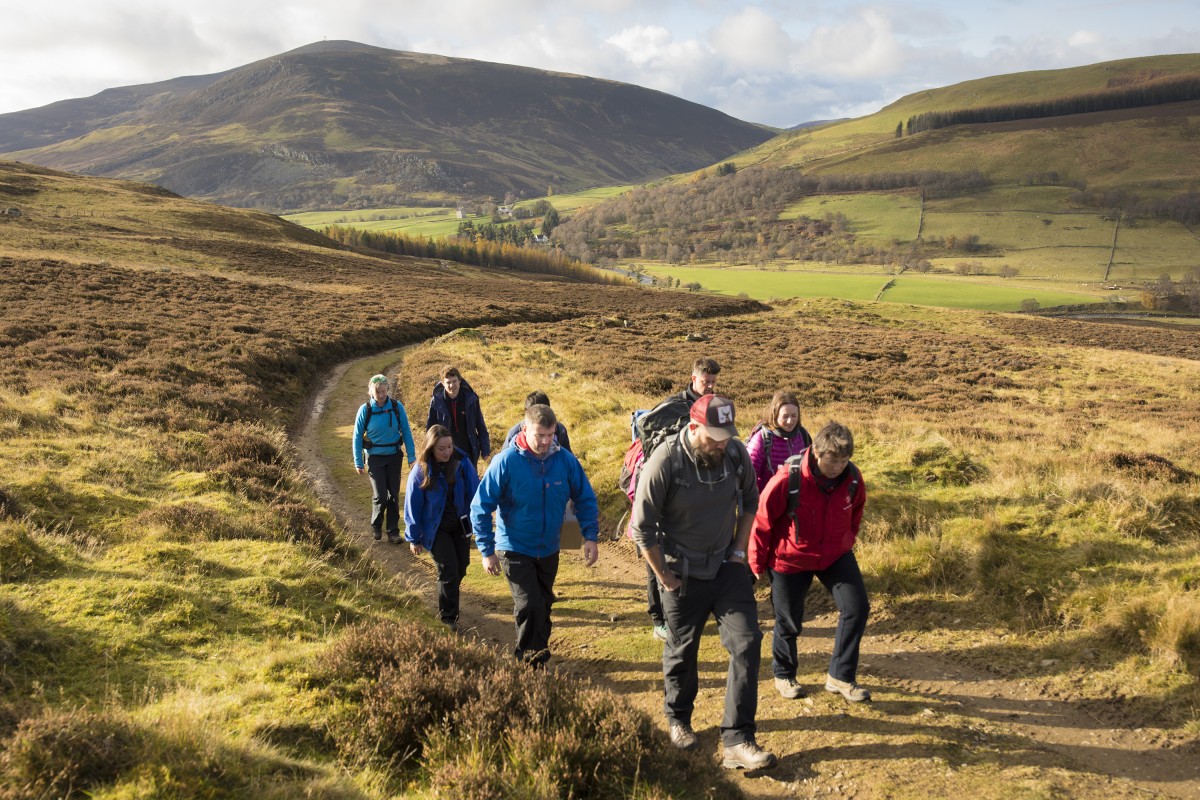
(340, 124)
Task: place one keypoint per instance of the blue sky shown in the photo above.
(772, 61)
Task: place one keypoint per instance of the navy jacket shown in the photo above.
(477, 432)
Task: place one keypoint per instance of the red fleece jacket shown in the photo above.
(826, 522)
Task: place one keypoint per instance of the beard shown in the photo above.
(709, 460)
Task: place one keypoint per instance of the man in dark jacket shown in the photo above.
(455, 405)
(693, 512)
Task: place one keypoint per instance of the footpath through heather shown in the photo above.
(941, 723)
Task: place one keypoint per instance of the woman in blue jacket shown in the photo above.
(437, 505)
(379, 429)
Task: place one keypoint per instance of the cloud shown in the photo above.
(865, 46)
(752, 41)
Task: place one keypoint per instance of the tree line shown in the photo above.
(480, 252)
(1177, 89)
(737, 214)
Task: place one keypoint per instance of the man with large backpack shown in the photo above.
(380, 427)
(651, 429)
(692, 517)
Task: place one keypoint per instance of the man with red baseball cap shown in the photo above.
(693, 511)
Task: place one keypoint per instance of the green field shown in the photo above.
(436, 222)
(1030, 228)
(873, 216)
(953, 292)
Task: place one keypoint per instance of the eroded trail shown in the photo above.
(940, 725)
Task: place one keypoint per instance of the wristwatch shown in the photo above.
(739, 554)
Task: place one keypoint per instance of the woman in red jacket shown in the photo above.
(813, 534)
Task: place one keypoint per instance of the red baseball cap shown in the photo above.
(715, 413)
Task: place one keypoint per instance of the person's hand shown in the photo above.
(670, 581)
(361, 470)
(591, 552)
(415, 548)
(491, 564)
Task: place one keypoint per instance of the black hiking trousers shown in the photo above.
(451, 552)
(729, 597)
(385, 492)
(531, 581)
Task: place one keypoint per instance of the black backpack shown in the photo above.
(793, 501)
(394, 410)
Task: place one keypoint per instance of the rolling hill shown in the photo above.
(1149, 148)
(340, 124)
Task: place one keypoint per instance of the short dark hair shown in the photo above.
(541, 416)
(706, 366)
(537, 398)
(451, 372)
(834, 438)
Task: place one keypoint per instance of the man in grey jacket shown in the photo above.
(694, 509)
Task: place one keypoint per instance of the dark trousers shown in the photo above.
(654, 603)
(531, 581)
(385, 491)
(451, 552)
(844, 581)
(729, 597)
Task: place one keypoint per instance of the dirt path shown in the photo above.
(940, 725)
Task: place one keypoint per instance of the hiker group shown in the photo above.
(710, 516)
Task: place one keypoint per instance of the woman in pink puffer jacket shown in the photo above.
(777, 440)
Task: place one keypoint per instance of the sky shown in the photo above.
(777, 62)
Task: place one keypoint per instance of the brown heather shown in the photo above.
(152, 351)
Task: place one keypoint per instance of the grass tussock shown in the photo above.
(474, 723)
(1048, 500)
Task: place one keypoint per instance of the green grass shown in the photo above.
(873, 217)
(951, 292)
(977, 293)
(437, 222)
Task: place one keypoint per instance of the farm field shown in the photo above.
(1027, 227)
(954, 292)
(877, 217)
(435, 222)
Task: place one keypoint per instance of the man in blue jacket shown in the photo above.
(530, 485)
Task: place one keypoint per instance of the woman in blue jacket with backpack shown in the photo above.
(437, 506)
(380, 428)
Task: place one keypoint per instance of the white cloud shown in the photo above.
(751, 40)
(863, 47)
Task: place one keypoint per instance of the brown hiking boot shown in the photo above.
(747, 755)
(847, 689)
(682, 736)
(787, 687)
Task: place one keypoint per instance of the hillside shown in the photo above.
(179, 616)
(339, 124)
(1150, 148)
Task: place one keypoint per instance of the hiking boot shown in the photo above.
(747, 755)
(659, 632)
(394, 537)
(377, 533)
(787, 687)
(847, 689)
(682, 736)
